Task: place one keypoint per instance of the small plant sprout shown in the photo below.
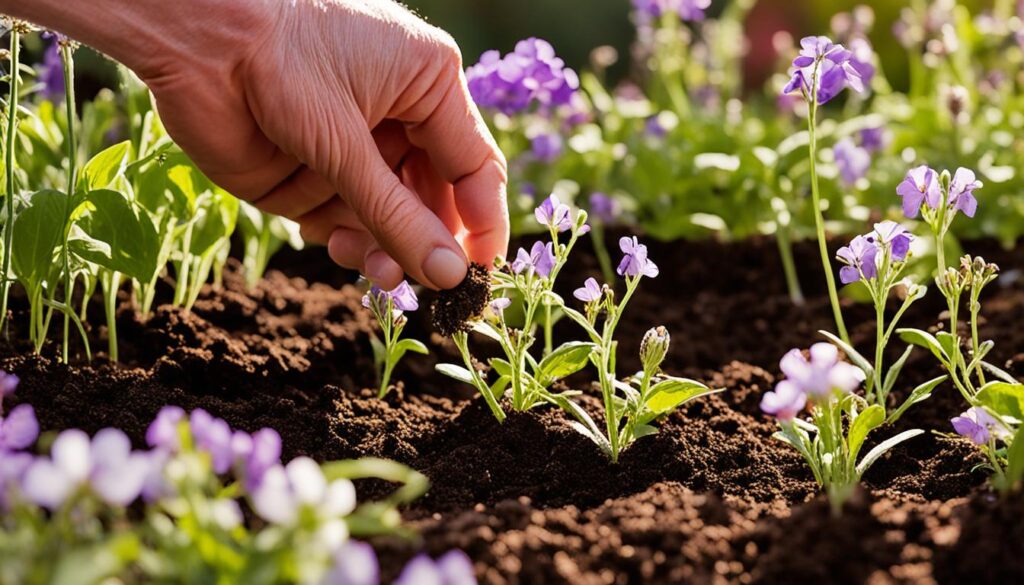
(389, 307)
(821, 71)
(877, 259)
(830, 447)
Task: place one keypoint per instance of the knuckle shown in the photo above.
(390, 212)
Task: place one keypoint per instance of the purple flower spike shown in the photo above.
(785, 402)
(860, 257)
(19, 430)
(635, 262)
(8, 384)
(547, 147)
(823, 374)
(961, 191)
(355, 563)
(51, 72)
(553, 214)
(530, 75)
(896, 236)
(852, 160)
(540, 259)
(921, 186)
(590, 292)
(978, 425)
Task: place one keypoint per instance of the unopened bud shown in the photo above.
(654, 348)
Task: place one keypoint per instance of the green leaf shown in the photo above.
(867, 421)
(502, 367)
(104, 168)
(1015, 460)
(413, 345)
(37, 232)
(379, 351)
(672, 393)
(565, 360)
(487, 330)
(948, 342)
(919, 394)
(215, 219)
(854, 355)
(1004, 398)
(89, 565)
(123, 238)
(999, 373)
(894, 371)
(881, 448)
(925, 340)
(457, 372)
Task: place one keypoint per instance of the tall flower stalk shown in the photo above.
(821, 71)
(12, 127)
(67, 50)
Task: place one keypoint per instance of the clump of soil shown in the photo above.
(454, 309)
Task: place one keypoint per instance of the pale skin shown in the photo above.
(351, 117)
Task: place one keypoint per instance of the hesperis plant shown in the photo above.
(389, 308)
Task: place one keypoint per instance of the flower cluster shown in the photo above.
(924, 189)
(815, 379)
(688, 10)
(823, 69)
(980, 427)
(886, 247)
(529, 76)
(389, 308)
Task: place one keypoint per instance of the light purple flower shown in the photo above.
(688, 10)
(590, 292)
(257, 453)
(547, 146)
(961, 191)
(834, 69)
(785, 402)
(553, 214)
(355, 563)
(860, 258)
(606, 209)
(51, 72)
(19, 429)
(106, 464)
(978, 425)
(691, 10)
(287, 490)
(823, 374)
(8, 384)
(862, 58)
(403, 298)
(454, 568)
(163, 431)
(654, 128)
(530, 75)
(499, 305)
(212, 436)
(874, 139)
(894, 236)
(634, 261)
(540, 259)
(920, 186)
(852, 160)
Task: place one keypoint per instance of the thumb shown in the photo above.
(396, 217)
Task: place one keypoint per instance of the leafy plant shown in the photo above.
(389, 309)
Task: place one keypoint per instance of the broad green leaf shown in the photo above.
(1015, 460)
(894, 371)
(457, 372)
(105, 167)
(215, 219)
(919, 394)
(854, 355)
(413, 345)
(37, 232)
(1004, 398)
(867, 421)
(564, 361)
(123, 238)
(925, 340)
(948, 342)
(883, 447)
(672, 393)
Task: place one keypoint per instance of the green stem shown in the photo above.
(796, 295)
(387, 325)
(819, 221)
(461, 342)
(975, 344)
(879, 347)
(607, 374)
(12, 126)
(69, 103)
(111, 282)
(604, 260)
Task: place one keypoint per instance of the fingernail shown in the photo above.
(445, 268)
(382, 271)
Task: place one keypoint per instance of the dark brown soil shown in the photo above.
(711, 498)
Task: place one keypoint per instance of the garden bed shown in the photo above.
(712, 497)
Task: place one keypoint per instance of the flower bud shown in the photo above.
(653, 348)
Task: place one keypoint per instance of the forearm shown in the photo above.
(148, 35)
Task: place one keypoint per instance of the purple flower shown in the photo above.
(920, 186)
(213, 436)
(553, 214)
(606, 209)
(874, 139)
(860, 258)
(961, 191)
(454, 568)
(852, 160)
(106, 464)
(51, 72)
(163, 431)
(634, 261)
(862, 58)
(823, 374)
(8, 384)
(547, 146)
(785, 402)
(530, 75)
(403, 298)
(691, 10)
(19, 429)
(654, 128)
(590, 292)
(540, 259)
(287, 490)
(499, 305)
(257, 453)
(896, 237)
(688, 10)
(355, 563)
(832, 64)
(977, 425)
